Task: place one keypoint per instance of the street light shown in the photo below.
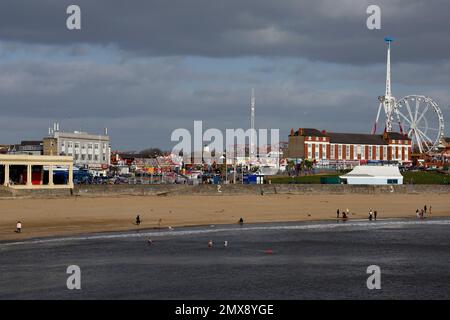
(224, 158)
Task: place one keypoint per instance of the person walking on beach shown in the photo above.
(429, 210)
(347, 212)
(344, 216)
(138, 220)
(241, 221)
(370, 215)
(375, 214)
(425, 208)
(19, 227)
(337, 213)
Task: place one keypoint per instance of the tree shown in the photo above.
(151, 153)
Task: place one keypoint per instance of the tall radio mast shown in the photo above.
(252, 150)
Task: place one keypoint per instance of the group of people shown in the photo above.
(422, 212)
(344, 214)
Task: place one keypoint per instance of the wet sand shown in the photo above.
(76, 215)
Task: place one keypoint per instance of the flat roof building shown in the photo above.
(21, 171)
(91, 151)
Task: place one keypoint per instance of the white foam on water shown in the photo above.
(317, 226)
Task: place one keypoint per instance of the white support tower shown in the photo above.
(252, 147)
(387, 102)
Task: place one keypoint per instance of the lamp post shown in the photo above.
(224, 158)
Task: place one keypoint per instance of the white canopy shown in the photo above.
(374, 171)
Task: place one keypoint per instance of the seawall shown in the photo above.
(224, 190)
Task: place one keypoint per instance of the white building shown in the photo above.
(373, 175)
(88, 150)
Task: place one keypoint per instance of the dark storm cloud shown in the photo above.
(326, 30)
(144, 68)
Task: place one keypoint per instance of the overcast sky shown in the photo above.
(145, 68)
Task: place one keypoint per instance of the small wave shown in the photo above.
(172, 233)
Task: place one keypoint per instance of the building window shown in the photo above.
(394, 152)
(370, 153)
(347, 152)
(392, 181)
(83, 146)
(104, 158)
(76, 156)
(340, 151)
(96, 157)
(385, 152)
(90, 146)
(332, 151)
(83, 157)
(377, 150)
(362, 151)
(77, 145)
(96, 146)
(316, 152)
(317, 138)
(309, 150)
(89, 157)
(324, 152)
(355, 152)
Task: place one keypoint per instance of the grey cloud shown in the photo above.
(325, 30)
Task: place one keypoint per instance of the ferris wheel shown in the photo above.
(417, 116)
(421, 119)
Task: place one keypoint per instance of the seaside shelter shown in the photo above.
(22, 171)
(373, 175)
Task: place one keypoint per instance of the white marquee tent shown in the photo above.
(377, 175)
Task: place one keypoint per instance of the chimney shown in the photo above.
(292, 131)
(106, 131)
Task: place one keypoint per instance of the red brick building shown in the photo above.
(328, 147)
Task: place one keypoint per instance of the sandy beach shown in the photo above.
(68, 216)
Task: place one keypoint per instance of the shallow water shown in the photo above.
(312, 260)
